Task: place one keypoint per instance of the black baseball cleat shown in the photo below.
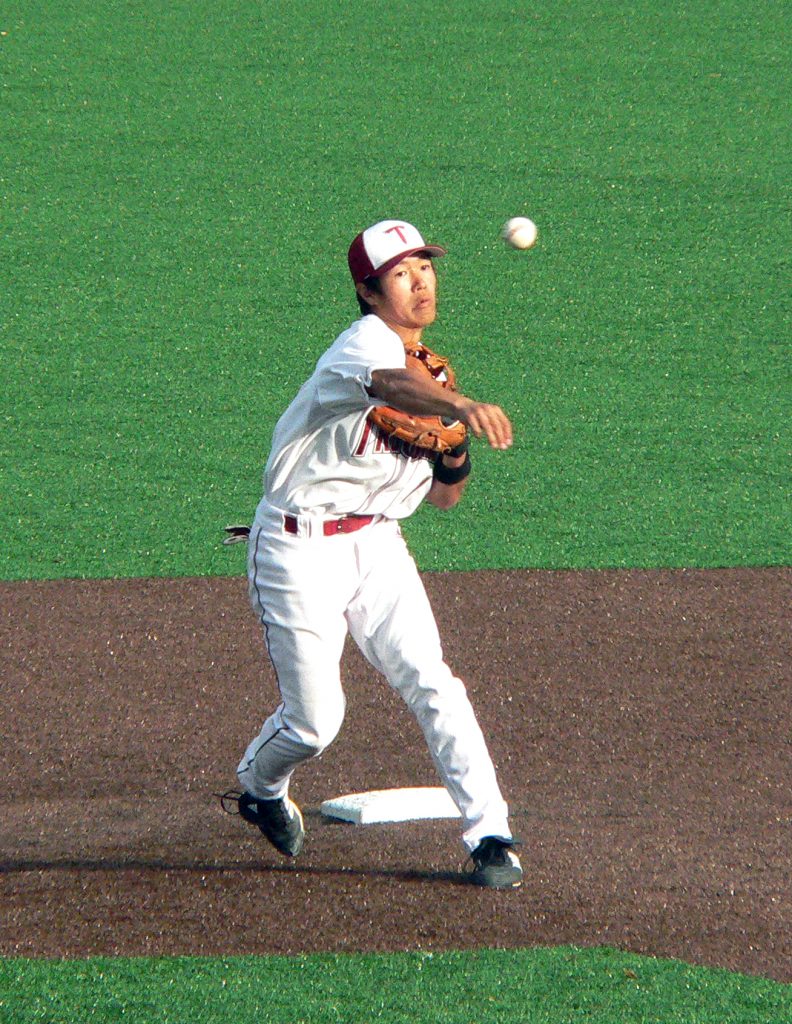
(279, 820)
(495, 865)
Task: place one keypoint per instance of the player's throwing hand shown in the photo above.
(489, 421)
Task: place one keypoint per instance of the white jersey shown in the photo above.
(326, 456)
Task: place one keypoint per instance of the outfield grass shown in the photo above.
(540, 986)
(180, 182)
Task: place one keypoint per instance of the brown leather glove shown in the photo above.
(435, 433)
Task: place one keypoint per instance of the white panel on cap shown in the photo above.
(387, 239)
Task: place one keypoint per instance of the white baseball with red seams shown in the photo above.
(520, 232)
(310, 589)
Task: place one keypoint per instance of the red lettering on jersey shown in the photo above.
(361, 448)
(381, 443)
(399, 229)
(375, 441)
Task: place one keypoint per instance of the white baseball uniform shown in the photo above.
(315, 576)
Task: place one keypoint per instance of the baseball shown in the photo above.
(520, 232)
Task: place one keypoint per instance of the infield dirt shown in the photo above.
(641, 723)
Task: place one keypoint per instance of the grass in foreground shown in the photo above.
(538, 986)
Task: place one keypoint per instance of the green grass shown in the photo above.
(179, 183)
(559, 986)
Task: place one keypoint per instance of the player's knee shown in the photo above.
(317, 741)
(317, 731)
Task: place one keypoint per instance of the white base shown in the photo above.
(381, 805)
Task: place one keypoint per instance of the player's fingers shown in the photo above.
(496, 427)
(506, 436)
(491, 421)
(499, 433)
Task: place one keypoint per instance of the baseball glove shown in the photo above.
(434, 433)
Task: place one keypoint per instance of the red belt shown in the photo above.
(347, 524)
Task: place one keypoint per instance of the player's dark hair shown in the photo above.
(374, 284)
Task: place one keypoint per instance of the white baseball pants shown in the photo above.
(309, 590)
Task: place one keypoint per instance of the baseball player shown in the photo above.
(326, 556)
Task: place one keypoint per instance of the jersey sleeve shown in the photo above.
(344, 374)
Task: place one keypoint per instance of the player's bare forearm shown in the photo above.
(413, 392)
(419, 395)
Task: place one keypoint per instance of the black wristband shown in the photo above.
(451, 474)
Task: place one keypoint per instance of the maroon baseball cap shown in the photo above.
(383, 245)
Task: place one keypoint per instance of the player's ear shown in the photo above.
(368, 295)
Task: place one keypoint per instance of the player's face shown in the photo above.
(408, 299)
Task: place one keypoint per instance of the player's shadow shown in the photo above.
(109, 864)
(156, 864)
